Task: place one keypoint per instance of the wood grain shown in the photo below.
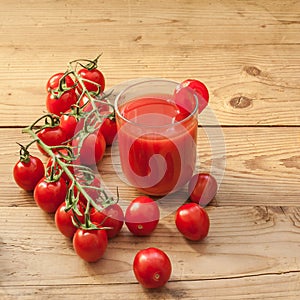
(285, 286)
(262, 166)
(133, 19)
(247, 54)
(261, 242)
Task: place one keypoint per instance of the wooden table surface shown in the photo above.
(248, 54)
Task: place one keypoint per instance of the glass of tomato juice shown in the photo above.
(157, 139)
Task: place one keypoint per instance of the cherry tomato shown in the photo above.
(142, 216)
(48, 195)
(202, 188)
(93, 75)
(63, 219)
(90, 120)
(89, 188)
(192, 221)
(92, 149)
(54, 81)
(69, 125)
(88, 113)
(59, 104)
(84, 101)
(60, 154)
(51, 136)
(182, 95)
(111, 216)
(100, 105)
(198, 86)
(28, 173)
(90, 245)
(109, 130)
(152, 267)
(182, 114)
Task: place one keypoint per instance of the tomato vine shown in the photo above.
(92, 120)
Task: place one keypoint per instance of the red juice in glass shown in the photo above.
(157, 145)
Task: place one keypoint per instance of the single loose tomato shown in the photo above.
(60, 78)
(202, 188)
(60, 103)
(27, 173)
(192, 221)
(49, 195)
(152, 267)
(142, 216)
(63, 219)
(109, 130)
(111, 216)
(51, 136)
(93, 79)
(182, 95)
(90, 245)
(198, 86)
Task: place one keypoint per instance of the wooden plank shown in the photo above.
(243, 243)
(222, 22)
(262, 166)
(223, 43)
(277, 286)
(245, 88)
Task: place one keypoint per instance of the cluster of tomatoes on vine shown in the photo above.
(74, 134)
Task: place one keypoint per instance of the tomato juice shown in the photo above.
(157, 147)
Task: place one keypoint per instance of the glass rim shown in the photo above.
(117, 111)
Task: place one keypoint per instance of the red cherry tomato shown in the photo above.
(152, 268)
(89, 187)
(182, 96)
(192, 221)
(90, 245)
(88, 113)
(60, 104)
(111, 216)
(198, 86)
(51, 136)
(93, 75)
(63, 219)
(28, 173)
(101, 106)
(54, 81)
(92, 150)
(202, 188)
(60, 154)
(69, 124)
(109, 130)
(142, 216)
(84, 101)
(182, 114)
(49, 195)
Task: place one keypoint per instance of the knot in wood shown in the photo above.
(240, 102)
(252, 70)
(138, 38)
